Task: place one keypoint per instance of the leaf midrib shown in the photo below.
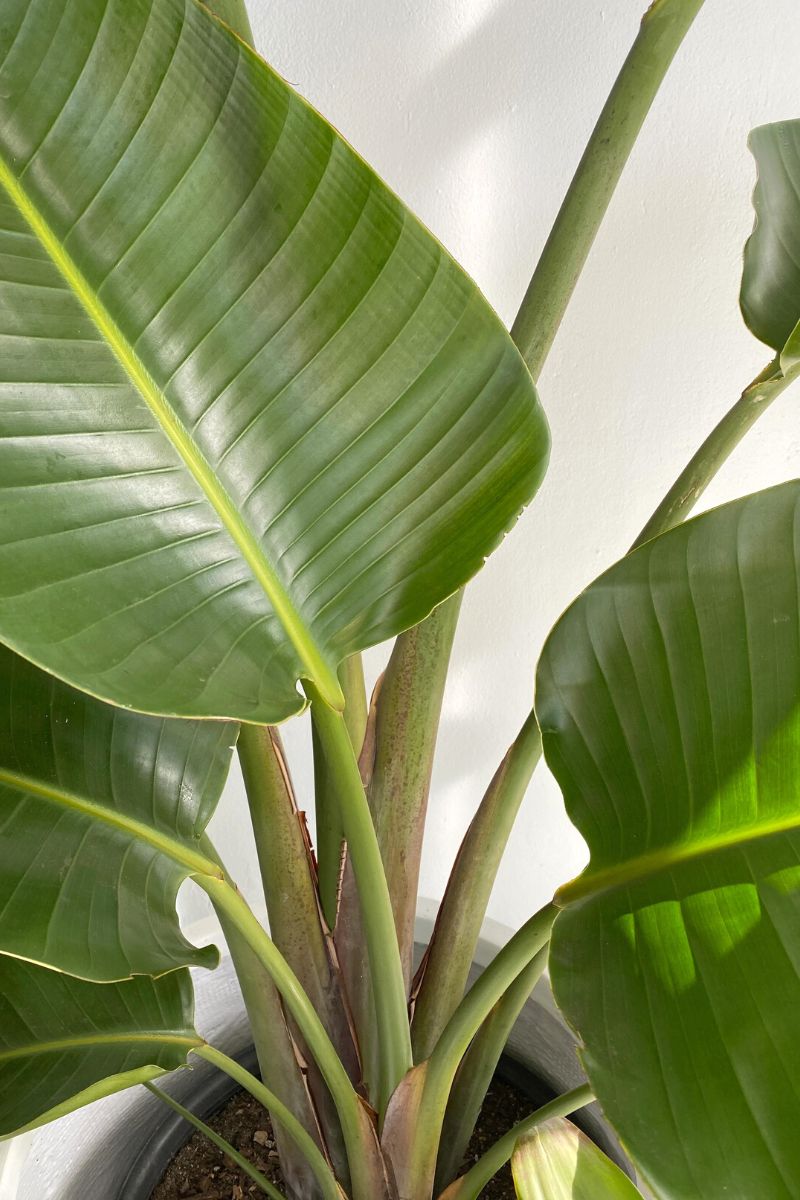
(184, 855)
(110, 1039)
(655, 862)
(311, 657)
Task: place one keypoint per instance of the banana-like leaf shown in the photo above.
(556, 1161)
(770, 296)
(253, 417)
(101, 815)
(65, 1042)
(669, 700)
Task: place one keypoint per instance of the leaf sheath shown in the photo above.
(444, 970)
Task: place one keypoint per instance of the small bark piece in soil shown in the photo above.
(200, 1171)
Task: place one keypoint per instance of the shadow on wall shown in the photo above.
(418, 93)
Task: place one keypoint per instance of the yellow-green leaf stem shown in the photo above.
(441, 1067)
(304, 1142)
(715, 450)
(375, 904)
(56, 1045)
(109, 1086)
(238, 1159)
(477, 1069)
(352, 1114)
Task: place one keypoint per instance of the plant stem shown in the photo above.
(469, 1186)
(277, 1058)
(289, 880)
(356, 709)
(465, 1022)
(444, 972)
(720, 443)
(407, 716)
(487, 990)
(306, 1144)
(284, 857)
(477, 1069)
(296, 925)
(662, 30)
(396, 765)
(241, 1162)
(375, 903)
(330, 834)
(352, 1115)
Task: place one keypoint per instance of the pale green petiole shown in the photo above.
(470, 1186)
(461, 1029)
(243, 1163)
(302, 1139)
(352, 1115)
(380, 932)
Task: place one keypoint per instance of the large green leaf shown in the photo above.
(252, 416)
(556, 1161)
(101, 815)
(65, 1042)
(770, 296)
(669, 699)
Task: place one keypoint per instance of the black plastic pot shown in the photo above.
(214, 1091)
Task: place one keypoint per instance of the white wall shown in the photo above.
(476, 112)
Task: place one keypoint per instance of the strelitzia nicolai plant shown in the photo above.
(253, 420)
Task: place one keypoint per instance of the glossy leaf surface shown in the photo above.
(556, 1161)
(252, 416)
(101, 814)
(669, 700)
(65, 1042)
(770, 295)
